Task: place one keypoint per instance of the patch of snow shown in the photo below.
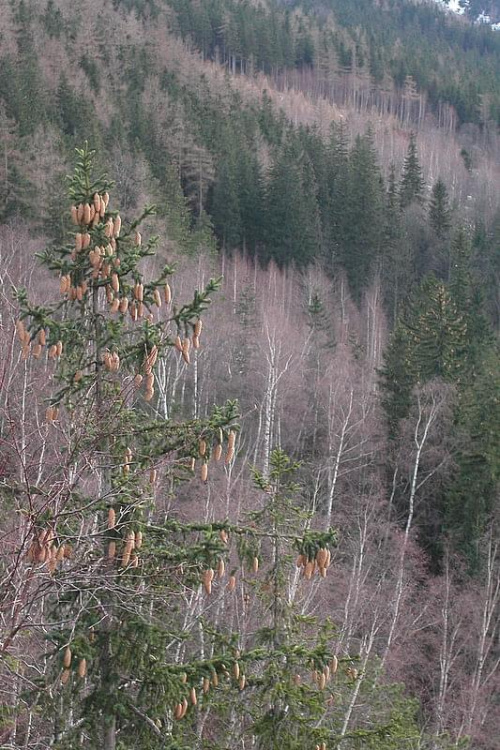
(452, 5)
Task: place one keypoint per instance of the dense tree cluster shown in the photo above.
(205, 154)
(396, 39)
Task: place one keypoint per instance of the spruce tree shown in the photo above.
(412, 181)
(471, 498)
(293, 227)
(286, 706)
(251, 199)
(443, 334)
(364, 215)
(439, 210)
(302, 689)
(468, 298)
(108, 644)
(117, 564)
(430, 341)
(396, 272)
(438, 333)
(337, 167)
(226, 209)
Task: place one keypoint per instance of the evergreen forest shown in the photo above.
(250, 375)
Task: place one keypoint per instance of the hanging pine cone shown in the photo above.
(87, 215)
(65, 676)
(111, 518)
(207, 578)
(230, 447)
(82, 668)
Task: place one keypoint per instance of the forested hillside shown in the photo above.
(250, 384)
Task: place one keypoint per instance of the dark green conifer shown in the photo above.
(364, 215)
(412, 181)
(251, 199)
(470, 499)
(439, 211)
(292, 216)
(395, 257)
(226, 210)
(430, 341)
(337, 165)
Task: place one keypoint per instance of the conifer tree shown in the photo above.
(337, 167)
(302, 690)
(443, 334)
(251, 199)
(364, 214)
(397, 378)
(430, 341)
(438, 333)
(287, 703)
(468, 298)
(395, 256)
(107, 646)
(124, 667)
(439, 210)
(412, 181)
(471, 498)
(225, 205)
(292, 221)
